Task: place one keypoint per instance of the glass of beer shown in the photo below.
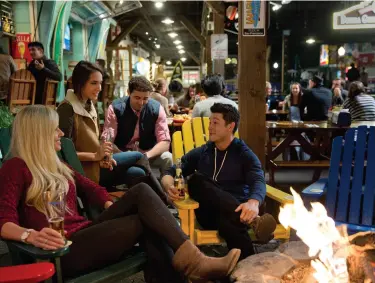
(55, 207)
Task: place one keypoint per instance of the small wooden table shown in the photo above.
(319, 148)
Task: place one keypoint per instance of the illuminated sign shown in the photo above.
(361, 16)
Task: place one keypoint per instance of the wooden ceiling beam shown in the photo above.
(217, 6)
(192, 56)
(191, 28)
(126, 32)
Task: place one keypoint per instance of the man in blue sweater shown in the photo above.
(227, 180)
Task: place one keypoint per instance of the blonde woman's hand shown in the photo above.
(47, 239)
(105, 149)
(108, 165)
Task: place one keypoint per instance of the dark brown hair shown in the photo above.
(159, 84)
(139, 83)
(81, 74)
(36, 44)
(355, 89)
(187, 94)
(230, 113)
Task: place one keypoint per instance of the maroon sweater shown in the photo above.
(15, 180)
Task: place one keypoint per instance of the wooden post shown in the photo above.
(208, 54)
(219, 29)
(251, 82)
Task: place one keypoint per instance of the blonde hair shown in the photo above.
(159, 84)
(33, 140)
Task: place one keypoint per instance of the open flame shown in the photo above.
(319, 233)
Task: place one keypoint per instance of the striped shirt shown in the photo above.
(361, 107)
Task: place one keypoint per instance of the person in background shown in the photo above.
(78, 121)
(294, 98)
(160, 93)
(340, 84)
(7, 68)
(212, 85)
(42, 69)
(337, 99)
(273, 101)
(175, 90)
(364, 77)
(361, 105)
(227, 180)
(137, 217)
(188, 99)
(317, 99)
(140, 123)
(353, 73)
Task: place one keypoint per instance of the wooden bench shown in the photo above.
(194, 134)
(50, 93)
(22, 90)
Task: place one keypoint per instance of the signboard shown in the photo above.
(361, 16)
(219, 46)
(19, 46)
(366, 59)
(324, 55)
(254, 18)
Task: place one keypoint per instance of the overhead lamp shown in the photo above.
(157, 46)
(208, 16)
(156, 38)
(341, 51)
(168, 63)
(121, 2)
(276, 7)
(183, 59)
(275, 65)
(284, 2)
(181, 51)
(177, 42)
(146, 32)
(310, 41)
(172, 34)
(102, 16)
(167, 21)
(159, 4)
(236, 17)
(150, 38)
(179, 47)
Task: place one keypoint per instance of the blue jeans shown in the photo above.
(123, 172)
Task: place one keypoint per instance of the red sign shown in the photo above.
(19, 47)
(366, 59)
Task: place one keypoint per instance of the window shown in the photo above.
(67, 44)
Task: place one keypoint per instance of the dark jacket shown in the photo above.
(241, 174)
(353, 75)
(339, 100)
(318, 100)
(50, 71)
(127, 120)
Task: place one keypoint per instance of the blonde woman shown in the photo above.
(139, 215)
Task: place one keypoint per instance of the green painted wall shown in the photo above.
(21, 16)
(78, 52)
(46, 23)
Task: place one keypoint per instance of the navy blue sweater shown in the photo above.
(241, 174)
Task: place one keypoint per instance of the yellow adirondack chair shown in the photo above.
(194, 134)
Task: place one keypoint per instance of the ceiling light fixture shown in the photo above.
(183, 59)
(341, 51)
(181, 51)
(177, 42)
(179, 47)
(150, 38)
(275, 65)
(146, 32)
(159, 4)
(276, 7)
(157, 46)
(167, 21)
(310, 41)
(121, 2)
(172, 34)
(168, 63)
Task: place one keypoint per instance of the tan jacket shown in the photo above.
(85, 133)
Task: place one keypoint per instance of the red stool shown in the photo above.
(28, 273)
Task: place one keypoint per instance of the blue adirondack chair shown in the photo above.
(349, 190)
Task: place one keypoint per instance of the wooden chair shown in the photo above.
(194, 134)
(50, 93)
(349, 190)
(22, 90)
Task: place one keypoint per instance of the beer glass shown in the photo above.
(55, 208)
(108, 138)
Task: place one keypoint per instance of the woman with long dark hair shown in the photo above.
(79, 122)
(361, 105)
(139, 216)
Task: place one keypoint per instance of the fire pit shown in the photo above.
(326, 254)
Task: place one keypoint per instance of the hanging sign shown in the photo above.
(361, 16)
(219, 46)
(254, 18)
(177, 72)
(19, 46)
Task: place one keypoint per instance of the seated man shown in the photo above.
(139, 123)
(227, 180)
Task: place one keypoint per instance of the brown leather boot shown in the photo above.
(189, 260)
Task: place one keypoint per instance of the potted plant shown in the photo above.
(6, 117)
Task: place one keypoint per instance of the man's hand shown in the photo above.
(250, 210)
(173, 193)
(107, 204)
(39, 66)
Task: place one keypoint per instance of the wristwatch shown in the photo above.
(25, 235)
